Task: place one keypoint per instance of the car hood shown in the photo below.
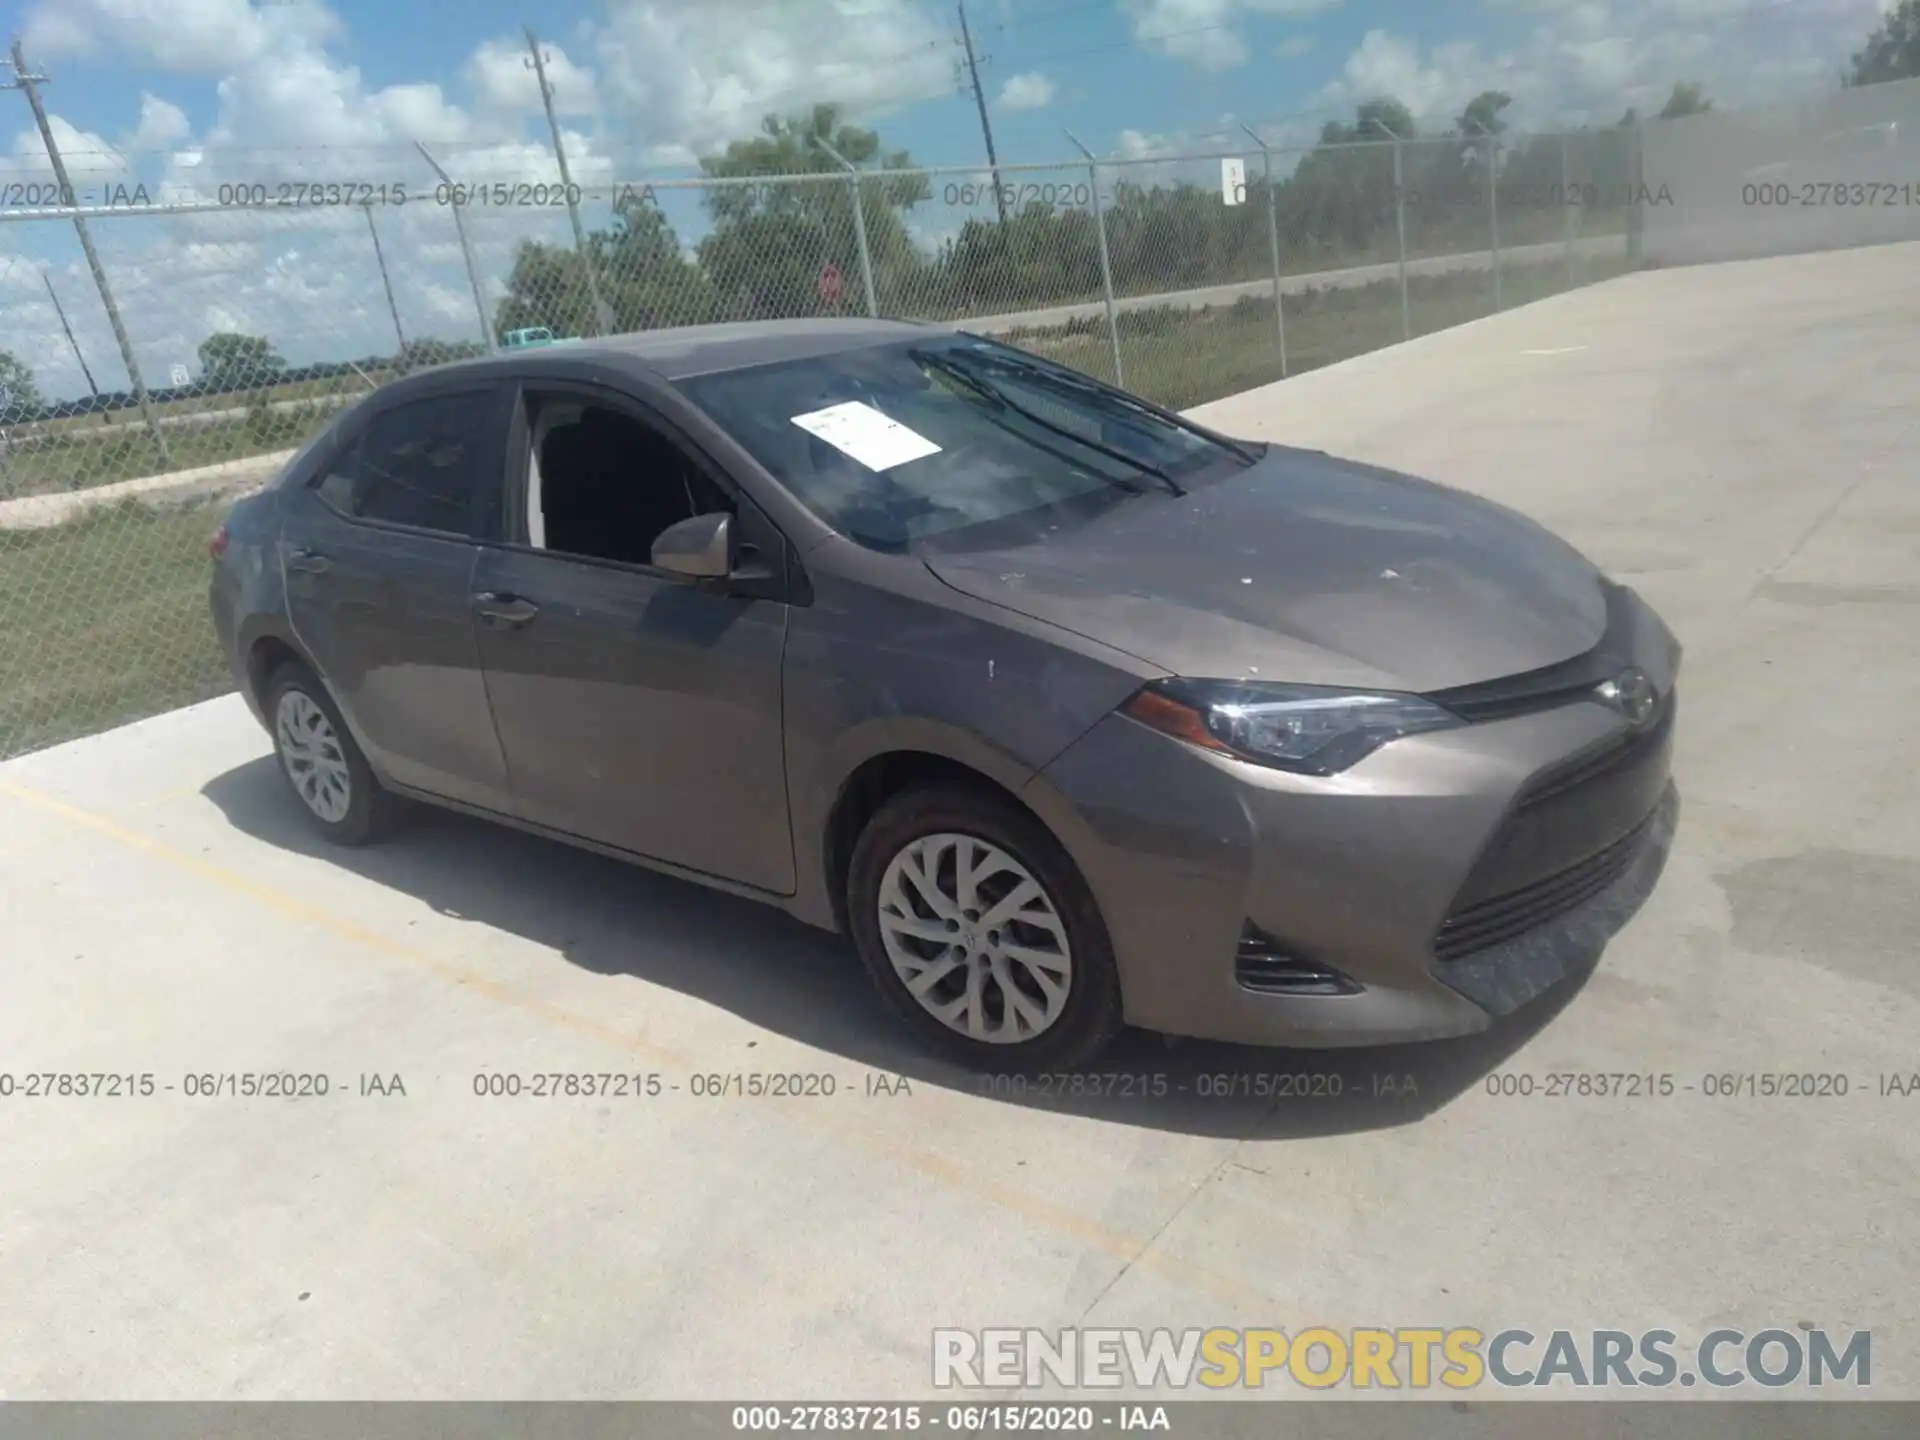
(1308, 569)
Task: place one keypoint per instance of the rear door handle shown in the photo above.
(503, 609)
(312, 562)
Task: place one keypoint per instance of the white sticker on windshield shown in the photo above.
(859, 430)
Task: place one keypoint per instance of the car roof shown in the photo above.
(688, 350)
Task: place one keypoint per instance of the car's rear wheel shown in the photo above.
(981, 934)
(322, 764)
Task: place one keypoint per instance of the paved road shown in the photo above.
(1735, 440)
(1209, 296)
(228, 477)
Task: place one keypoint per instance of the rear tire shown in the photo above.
(323, 765)
(981, 934)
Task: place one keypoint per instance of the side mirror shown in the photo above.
(700, 548)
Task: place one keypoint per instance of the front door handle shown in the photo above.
(503, 609)
(310, 562)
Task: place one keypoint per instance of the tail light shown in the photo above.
(217, 542)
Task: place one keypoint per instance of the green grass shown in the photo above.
(105, 617)
(106, 621)
(64, 457)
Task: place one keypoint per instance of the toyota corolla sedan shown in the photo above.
(1068, 712)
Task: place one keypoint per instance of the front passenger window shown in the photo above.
(609, 484)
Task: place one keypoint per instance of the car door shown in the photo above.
(378, 553)
(637, 708)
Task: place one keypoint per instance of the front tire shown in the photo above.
(323, 765)
(981, 934)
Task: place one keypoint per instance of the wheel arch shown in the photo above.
(873, 763)
(263, 648)
(876, 781)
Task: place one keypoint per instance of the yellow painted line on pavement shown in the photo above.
(38, 841)
(1130, 1249)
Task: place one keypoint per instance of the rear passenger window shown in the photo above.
(417, 465)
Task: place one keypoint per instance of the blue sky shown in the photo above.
(195, 94)
(1113, 71)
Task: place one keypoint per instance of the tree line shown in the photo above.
(768, 245)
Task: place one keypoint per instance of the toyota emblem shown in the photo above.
(1632, 694)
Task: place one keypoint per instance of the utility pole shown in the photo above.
(980, 101)
(61, 311)
(602, 316)
(25, 79)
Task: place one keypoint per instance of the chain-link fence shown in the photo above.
(204, 325)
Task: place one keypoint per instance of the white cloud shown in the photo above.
(699, 76)
(1207, 33)
(502, 77)
(192, 36)
(86, 154)
(162, 125)
(1029, 91)
(1427, 84)
(1135, 145)
(1142, 159)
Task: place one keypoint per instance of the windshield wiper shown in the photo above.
(992, 393)
(1067, 380)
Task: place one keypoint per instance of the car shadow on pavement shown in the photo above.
(772, 971)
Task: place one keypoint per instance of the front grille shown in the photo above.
(1491, 922)
(1555, 685)
(1593, 767)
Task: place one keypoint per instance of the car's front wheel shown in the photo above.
(980, 932)
(322, 763)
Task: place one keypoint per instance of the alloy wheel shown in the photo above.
(311, 752)
(975, 938)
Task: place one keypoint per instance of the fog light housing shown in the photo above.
(1261, 964)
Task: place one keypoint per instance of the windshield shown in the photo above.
(934, 438)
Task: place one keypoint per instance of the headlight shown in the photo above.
(1307, 729)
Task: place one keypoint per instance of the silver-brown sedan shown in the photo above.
(1069, 712)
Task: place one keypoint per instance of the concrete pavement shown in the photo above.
(1736, 441)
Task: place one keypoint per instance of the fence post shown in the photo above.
(1566, 202)
(1400, 227)
(466, 250)
(380, 258)
(25, 79)
(1106, 264)
(1636, 178)
(859, 223)
(1493, 213)
(1273, 245)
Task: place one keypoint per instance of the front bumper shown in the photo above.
(1453, 876)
